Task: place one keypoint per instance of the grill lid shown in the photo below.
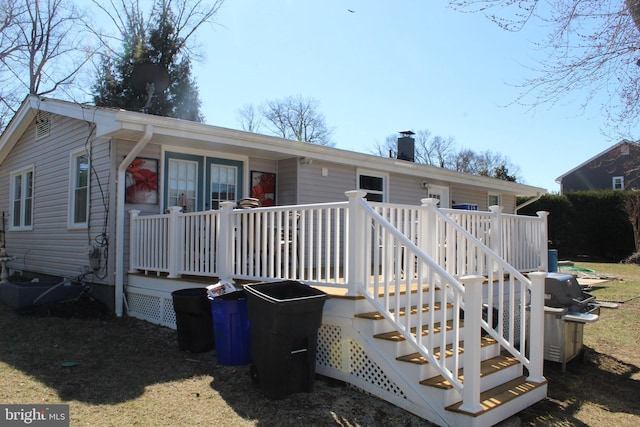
(564, 291)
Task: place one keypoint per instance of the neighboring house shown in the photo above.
(616, 168)
(145, 203)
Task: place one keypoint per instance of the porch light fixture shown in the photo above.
(306, 161)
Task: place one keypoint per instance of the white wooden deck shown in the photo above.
(375, 335)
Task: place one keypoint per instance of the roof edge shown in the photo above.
(558, 180)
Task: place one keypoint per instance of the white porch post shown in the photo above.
(497, 235)
(544, 239)
(472, 360)
(174, 249)
(355, 239)
(496, 230)
(225, 240)
(428, 233)
(536, 327)
(120, 217)
(133, 240)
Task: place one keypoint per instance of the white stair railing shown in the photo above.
(401, 266)
(395, 270)
(511, 302)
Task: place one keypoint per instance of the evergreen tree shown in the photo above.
(158, 44)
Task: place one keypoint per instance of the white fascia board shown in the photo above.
(241, 139)
(14, 130)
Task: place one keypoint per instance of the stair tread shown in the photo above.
(500, 395)
(397, 336)
(402, 289)
(375, 315)
(487, 367)
(418, 359)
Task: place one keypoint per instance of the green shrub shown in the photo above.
(590, 224)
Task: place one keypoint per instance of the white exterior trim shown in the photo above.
(21, 172)
(615, 180)
(73, 155)
(377, 174)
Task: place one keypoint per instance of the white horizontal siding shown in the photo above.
(462, 194)
(51, 247)
(315, 188)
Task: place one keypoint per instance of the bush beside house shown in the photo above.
(592, 224)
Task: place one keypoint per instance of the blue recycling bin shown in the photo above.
(231, 328)
(553, 260)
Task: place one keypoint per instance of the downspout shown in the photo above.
(528, 202)
(120, 215)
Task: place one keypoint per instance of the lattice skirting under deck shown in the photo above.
(335, 351)
(151, 306)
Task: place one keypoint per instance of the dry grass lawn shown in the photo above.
(131, 373)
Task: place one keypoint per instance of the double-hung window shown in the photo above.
(79, 189)
(618, 182)
(22, 199)
(375, 184)
(494, 199)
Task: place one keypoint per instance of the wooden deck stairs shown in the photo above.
(364, 350)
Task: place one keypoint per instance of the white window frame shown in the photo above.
(619, 180)
(496, 195)
(23, 173)
(375, 174)
(234, 175)
(188, 186)
(73, 177)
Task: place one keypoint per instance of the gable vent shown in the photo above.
(43, 124)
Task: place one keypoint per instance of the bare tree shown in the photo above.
(127, 16)
(486, 163)
(593, 49)
(386, 149)
(429, 150)
(250, 118)
(465, 161)
(442, 152)
(43, 47)
(295, 117)
(632, 208)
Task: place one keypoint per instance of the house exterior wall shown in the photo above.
(287, 182)
(51, 247)
(313, 187)
(461, 195)
(622, 160)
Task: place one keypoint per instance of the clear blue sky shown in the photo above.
(393, 65)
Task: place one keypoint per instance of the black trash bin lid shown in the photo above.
(285, 291)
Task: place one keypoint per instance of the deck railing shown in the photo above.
(310, 242)
(377, 250)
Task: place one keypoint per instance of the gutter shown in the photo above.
(528, 202)
(120, 215)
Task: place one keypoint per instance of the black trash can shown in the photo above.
(193, 320)
(285, 318)
(231, 328)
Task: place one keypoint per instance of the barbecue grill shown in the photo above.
(567, 309)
